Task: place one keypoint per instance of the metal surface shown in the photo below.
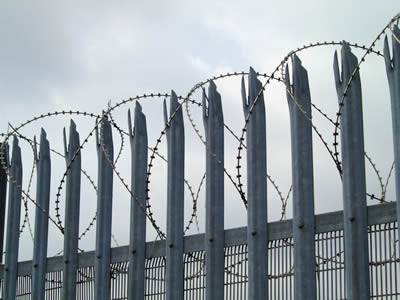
(41, 221)
(72, 208)
(3, 195)
(256, 187)
(175, 199)
(137, 241)
(214, 236)
(353, 176)
(299, 101)
(393, 75)
(13, 221)
(102, 268)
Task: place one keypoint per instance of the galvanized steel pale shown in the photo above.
(3, 195)
(102, 267)
(214, 237)
(13, 221)
(72, 208)
(257, 216)
(353, 175)
(299, 101)
(137, 241)
(175, 199)
(41, 217)
(393, 74)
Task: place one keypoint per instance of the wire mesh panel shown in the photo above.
(53, 285)
(384, 269)
(119, 281)
(24, 287)
(85, 283)
(384, 261)
(330, 265)
(194, 287)
(155, 278)
(236, 272)
(280, 277)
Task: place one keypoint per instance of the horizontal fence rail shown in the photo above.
(384, 265)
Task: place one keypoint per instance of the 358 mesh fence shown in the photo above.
(384, 267)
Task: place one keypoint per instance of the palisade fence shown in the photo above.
(352, 254)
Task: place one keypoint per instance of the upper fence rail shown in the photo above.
(277, 231)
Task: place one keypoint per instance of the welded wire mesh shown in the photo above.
(384, 271)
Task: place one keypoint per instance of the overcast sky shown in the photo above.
(79, 55)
